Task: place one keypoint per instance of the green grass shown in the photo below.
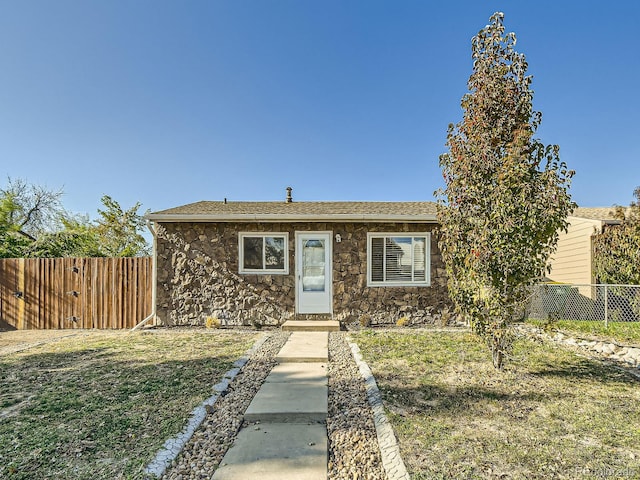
(99, 406)
(550, 414)
(626, 333)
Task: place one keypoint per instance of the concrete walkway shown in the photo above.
(287, 434)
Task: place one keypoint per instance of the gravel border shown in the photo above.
(353, 445)
(354, 424)
(584, 348)
(389, 450)
(173, 446)
(201, 452)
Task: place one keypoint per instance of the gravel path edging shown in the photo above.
(599, 350)
(389, 451)
(173, 446)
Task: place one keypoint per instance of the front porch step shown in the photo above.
(311, 326)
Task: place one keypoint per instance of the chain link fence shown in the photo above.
(604, 303)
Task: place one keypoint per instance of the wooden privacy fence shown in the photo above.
(54, 293)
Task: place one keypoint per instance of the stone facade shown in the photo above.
(197, 277)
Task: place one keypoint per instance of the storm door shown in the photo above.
(313, 272)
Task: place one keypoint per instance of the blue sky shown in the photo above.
(170, 102)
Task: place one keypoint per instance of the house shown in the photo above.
(573, 260)
(266, 262)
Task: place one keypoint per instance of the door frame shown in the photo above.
(328, 268)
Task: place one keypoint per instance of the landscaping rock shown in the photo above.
(197, 273)
(626, 355)
(202, 454)
(353, 445)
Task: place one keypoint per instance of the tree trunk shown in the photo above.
(498, 355)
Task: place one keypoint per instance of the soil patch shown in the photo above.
(17, 340)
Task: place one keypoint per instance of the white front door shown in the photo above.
(313, 272)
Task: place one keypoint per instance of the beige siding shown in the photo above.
(572, 261)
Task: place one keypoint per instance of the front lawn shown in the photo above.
(99, 405)
(550, 414)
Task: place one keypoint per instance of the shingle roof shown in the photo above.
(298, 211)
(595, 213)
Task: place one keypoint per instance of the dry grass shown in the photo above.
(550, 414)
(16, 340)
(100, 404)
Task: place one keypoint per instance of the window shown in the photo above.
(264, 253)
(398, 259)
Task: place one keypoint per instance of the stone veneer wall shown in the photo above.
(198, 277)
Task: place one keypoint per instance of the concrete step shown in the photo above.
(305, 347)
(299, 402)
(311, 326)
(298, 372)
(292, 393)
(275, 452)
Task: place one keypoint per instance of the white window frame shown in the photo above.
(386, 283)
(263, 271)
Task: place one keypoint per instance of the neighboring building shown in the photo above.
(573, 260)
(266, 262)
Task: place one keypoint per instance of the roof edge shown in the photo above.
(601, 221)
(273, 218)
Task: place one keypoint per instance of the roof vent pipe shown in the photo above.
(289, 197)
